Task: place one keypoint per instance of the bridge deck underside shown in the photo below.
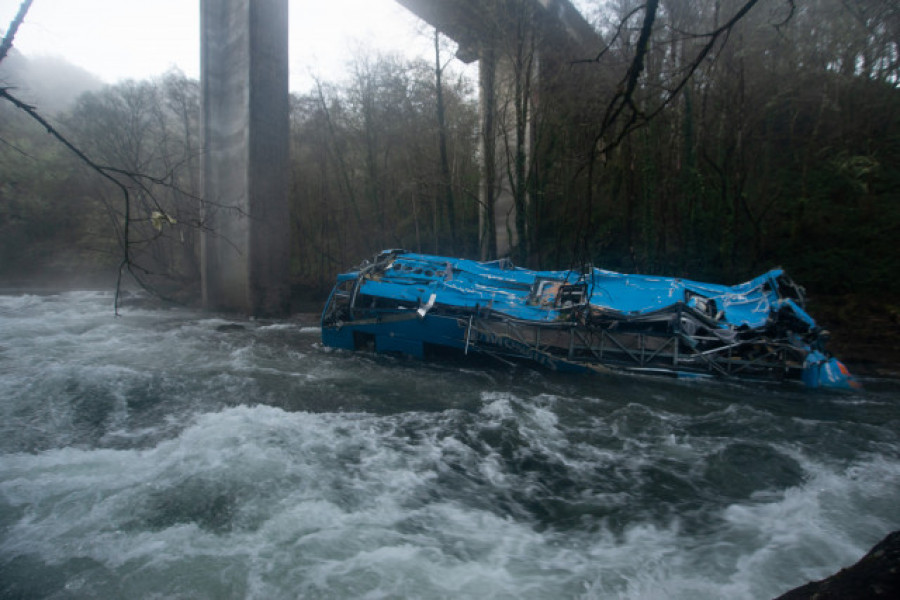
(470, 23)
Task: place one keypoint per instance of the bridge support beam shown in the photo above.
(245, 245)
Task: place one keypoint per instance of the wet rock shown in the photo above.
(876, 575)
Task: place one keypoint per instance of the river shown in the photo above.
(169, 453)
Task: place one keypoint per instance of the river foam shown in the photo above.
(169, 454)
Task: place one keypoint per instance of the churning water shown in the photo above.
(172, 454)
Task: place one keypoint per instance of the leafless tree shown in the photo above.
(129, 182)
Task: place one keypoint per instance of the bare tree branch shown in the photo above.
(7, 42)
(625, 96)
(123, 233)
(615, 37)
(121, 223)
(623, 100)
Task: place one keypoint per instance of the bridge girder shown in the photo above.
(473, 23)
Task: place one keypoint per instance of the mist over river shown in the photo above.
(169, 453)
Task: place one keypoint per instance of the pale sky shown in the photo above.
(139, 39)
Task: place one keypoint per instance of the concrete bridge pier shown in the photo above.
(245, 241)
(500, 144)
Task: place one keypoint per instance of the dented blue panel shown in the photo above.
(404, 301)
(823, 372)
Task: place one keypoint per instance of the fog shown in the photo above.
(49, 82)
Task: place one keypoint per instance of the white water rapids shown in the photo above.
(175, 454)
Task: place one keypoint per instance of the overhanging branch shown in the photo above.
(7, 42)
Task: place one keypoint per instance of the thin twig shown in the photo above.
(103, 172)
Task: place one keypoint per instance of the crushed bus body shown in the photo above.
(581, 321)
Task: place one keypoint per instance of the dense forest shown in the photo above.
(753, 134)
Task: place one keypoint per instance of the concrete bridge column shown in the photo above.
(245, 244)
(507, 108)
(500, 144)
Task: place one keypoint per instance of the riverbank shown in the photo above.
(874, 576)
